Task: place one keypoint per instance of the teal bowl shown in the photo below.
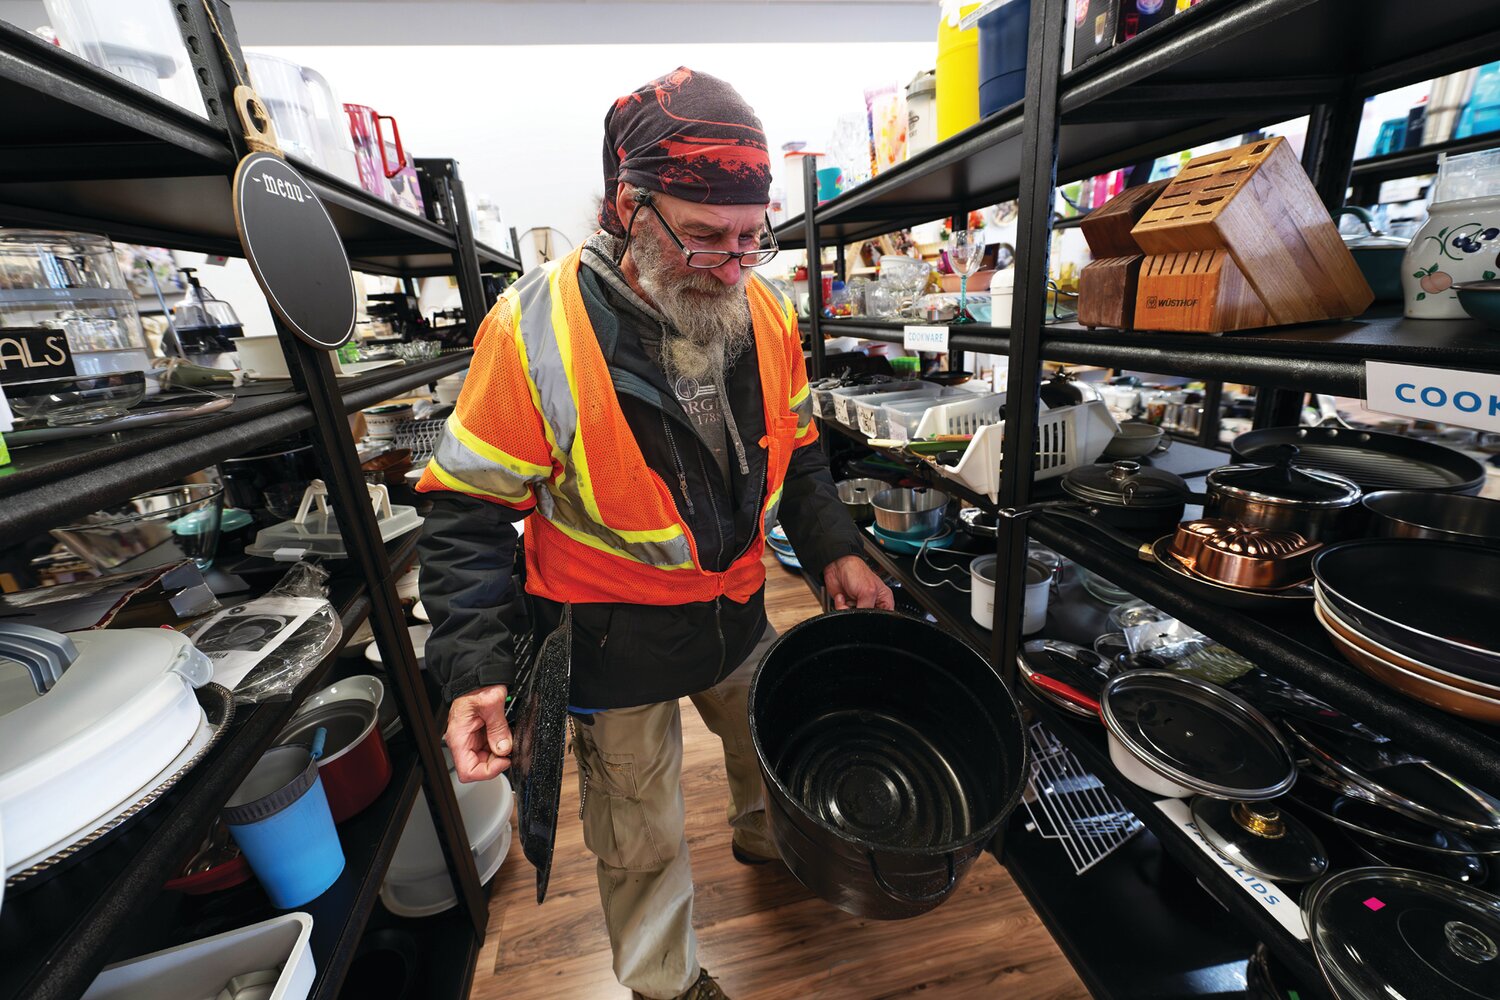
(1481, 299)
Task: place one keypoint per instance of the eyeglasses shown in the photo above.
(705, 260)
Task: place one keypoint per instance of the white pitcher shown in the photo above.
(1460, 241)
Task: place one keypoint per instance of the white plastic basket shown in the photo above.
(867, 408)
(964, 413)
(1067, 437)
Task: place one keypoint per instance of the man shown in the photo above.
(646, 398)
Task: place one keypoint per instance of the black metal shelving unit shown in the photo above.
(1219, 69)
(85, 150)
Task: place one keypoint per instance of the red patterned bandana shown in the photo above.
(689, 135)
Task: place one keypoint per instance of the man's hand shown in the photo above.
(478, 736)
(852, 584)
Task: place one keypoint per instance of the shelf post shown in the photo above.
(814, 265)
(443, 175)
(1039, 134)
(312, 373)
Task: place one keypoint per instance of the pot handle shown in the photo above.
(1065, 691)
(907, 897)
(1079, 512)
(44, 653)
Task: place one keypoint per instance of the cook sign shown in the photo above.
(1468, 399)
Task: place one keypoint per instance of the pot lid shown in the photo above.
(1371, 820)
(1126, 483)
(1392, 934)
(1378, 770)
(1198, 735)
(1080, 669)
(1262, 838)
(1277, 480)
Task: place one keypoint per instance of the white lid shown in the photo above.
(118, 715)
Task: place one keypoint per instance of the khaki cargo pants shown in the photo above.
(629, 778)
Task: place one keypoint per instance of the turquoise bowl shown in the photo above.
(1481, 299)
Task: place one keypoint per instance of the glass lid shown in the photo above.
(1279, 481)
(1126, 482)
(1198, 735)
(1262, 838)
(1393, 934)
(1080, 669)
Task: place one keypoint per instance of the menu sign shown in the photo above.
(34, 352)
(295, 251)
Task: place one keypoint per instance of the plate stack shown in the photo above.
(782, 547)
(1417, 616)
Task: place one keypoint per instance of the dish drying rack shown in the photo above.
(1070, 805)
(421, 437)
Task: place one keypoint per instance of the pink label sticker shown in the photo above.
(1374, 903)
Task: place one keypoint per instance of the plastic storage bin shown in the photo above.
(1067, 437)
(200, 969)
(964, 416)
(867, 408)
(1002, 56)
(843, 408)
(417, 883)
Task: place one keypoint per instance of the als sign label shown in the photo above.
(294, 250)
(28, 353)
(1468, 399)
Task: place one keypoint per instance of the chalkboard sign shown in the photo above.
(294, 250)
(28, 353)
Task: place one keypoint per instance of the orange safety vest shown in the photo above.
(538, 426)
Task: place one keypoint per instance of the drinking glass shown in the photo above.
(965, 251)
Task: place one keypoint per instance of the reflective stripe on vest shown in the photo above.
(547, 345)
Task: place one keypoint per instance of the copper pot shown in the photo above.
(1244, 555)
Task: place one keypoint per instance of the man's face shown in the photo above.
(736, 228)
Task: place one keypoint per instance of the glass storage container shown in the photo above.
(72, 282)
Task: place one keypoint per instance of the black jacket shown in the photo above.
(631, 654)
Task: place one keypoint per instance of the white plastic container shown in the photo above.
(1067, 437)
(867, 408)
(417, 882)
(200, 969)
(843, 399)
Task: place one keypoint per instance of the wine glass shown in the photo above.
(965, 252)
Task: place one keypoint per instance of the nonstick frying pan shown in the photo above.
(1374, 460)
(1433, 601)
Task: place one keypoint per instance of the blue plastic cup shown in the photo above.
(279, 816)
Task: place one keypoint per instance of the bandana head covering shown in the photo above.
(688, 135)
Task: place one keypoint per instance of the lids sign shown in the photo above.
(1468, 399)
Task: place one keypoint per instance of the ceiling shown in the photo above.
(580, 22)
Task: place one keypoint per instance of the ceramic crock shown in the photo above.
(1460, 241)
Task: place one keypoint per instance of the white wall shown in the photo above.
(526, 122)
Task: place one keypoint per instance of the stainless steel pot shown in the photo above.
(912, 512)
(856, 495)
(1319, 506)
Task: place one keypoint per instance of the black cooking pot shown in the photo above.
(891, 754)
(1130, 496)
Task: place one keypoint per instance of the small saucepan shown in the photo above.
(1274, 493)
(1443, 517)
(1129, 495)
(355, 766)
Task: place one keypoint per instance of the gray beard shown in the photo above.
(709, 321)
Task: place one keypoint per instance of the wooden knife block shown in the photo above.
(1107, 286)
(1239, 239)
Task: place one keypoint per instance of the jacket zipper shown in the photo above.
(677, 461)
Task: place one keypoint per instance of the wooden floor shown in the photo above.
(760, 933)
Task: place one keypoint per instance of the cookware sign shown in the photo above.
(1468, 399)
(294, 250)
